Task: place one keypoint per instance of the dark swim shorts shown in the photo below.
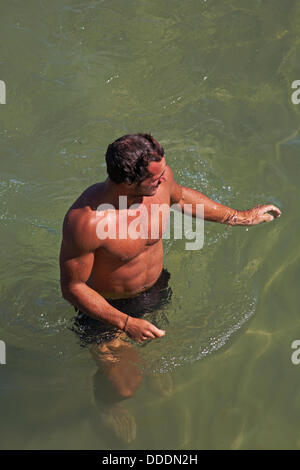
(92, 331)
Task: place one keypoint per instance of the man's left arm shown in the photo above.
(215, 212)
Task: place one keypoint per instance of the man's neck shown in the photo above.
(114, 191)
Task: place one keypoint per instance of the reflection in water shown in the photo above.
(117, 378)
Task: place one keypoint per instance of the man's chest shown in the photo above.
(127, 233)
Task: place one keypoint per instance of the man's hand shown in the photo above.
(140, 330)
(256, 215)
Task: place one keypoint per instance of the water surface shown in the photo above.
(212, 82)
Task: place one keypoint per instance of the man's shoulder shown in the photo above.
(174, 188)
(89, 198)
(79, 226)
(169, 172)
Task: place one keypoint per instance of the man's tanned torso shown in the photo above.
(121, 267)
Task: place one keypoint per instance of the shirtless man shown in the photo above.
(99, 274)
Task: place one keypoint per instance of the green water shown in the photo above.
(211, 80)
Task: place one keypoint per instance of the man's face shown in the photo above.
(150, 185)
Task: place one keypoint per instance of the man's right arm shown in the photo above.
(76, 263)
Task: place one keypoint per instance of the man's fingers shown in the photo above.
(150, 335)
(267, 218)
(273, 209)
(157, 332)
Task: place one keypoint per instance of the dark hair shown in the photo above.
(128, 157)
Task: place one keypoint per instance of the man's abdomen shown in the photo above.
(120, 277)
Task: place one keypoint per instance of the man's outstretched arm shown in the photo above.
(215, 212)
